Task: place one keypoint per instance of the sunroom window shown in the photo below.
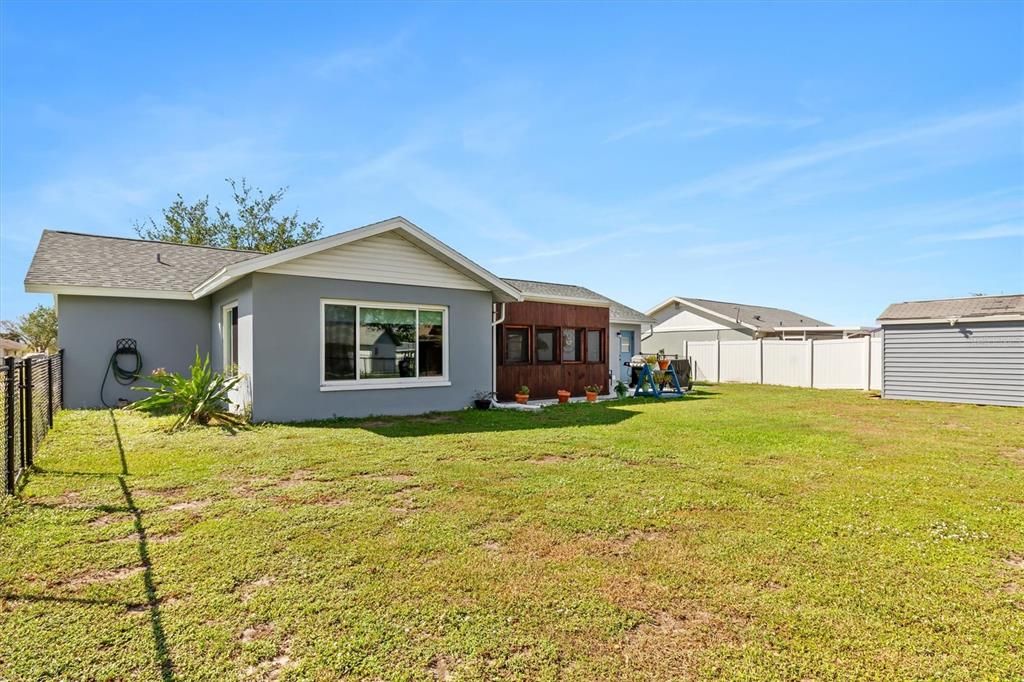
(373, 344)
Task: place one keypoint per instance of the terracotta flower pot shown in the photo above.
(663, 364)
(591, 397)
(563, 396)
(521, 398)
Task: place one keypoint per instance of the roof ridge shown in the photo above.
(153, 241)
(959, 298)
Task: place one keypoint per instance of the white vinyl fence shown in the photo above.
(842, 363)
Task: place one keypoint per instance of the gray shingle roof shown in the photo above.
(946, 308)
(87, 260)
(760, 317)
(617, 311)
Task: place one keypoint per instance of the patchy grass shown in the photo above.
(745, 532)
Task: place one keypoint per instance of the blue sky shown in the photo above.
(829, 158)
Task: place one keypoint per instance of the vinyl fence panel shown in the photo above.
(740, 361)
(704, 358)
(787, 363)
(841, 363)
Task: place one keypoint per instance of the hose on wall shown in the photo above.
(122, 376)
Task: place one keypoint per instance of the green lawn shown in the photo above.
(746, 532)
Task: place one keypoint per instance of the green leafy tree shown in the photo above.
(37, 329)
(253, 225)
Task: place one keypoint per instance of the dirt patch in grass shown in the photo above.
(191, 505)
(249, 590)
(1015, 561)
(436, 419)
(108, 519)
(272, 668)
(441, 668)
(374, 424)
(550, 459)
(104, 576)
(254, 632)
(1015, 455)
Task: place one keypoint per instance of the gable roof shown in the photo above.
(73, 263)
(1008, 307)
(754, 317)
(550, 292)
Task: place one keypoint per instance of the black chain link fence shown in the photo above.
(31, 392)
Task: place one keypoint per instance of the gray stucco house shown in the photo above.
(962, 350)
(382, 319)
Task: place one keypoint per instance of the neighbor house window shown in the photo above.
(545, 345)
(572, 345)
(595, 352)
(229, 324)
(517, 345)
(376, 344)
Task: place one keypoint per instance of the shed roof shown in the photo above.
(1010, 306)
(617, 312)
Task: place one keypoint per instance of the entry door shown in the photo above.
(627, 349)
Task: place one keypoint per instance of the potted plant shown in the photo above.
(523, 395)
(663, 361)
(592, 390)
(652, 360)
(621, 389)
(482, 400)
(563, 395)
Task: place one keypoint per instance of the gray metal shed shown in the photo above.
(960, 350)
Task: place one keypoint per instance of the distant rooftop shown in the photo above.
(756, 316)
(956, 308)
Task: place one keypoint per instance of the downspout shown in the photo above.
(494, 346)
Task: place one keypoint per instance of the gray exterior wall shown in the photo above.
(167, 332)
(240, 292)
(615, 357)
(967, 363)
(286, 349)
(672, 342)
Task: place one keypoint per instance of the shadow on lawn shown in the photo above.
(163, 659)
(605, 413)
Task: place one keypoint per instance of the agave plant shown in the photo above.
(199, 398)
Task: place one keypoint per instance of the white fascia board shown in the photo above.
(117, 292)
(820, 329)
(566, 300)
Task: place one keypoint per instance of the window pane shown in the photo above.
(517, 346)
(233, 346)
(387, 343)
(571, 341)
(545, 345)
(593, 346)
(431, 343)
(339, 342)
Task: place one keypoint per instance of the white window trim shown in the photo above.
(225, 331)
(360, 384)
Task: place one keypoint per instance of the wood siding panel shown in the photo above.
(967, 363)
(544, 379)
(385, 258)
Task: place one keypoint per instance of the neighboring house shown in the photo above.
(563, 336)
(383, 319)
(10, 348)
(697, 319)
(962, 350)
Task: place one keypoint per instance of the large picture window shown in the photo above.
(374, 345)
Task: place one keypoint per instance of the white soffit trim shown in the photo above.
(954, 320)
(570, 300)
(502, 290)
(70, 290)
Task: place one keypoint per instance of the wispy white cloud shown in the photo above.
(359, 58)
(637, 128)
(746, 178)
(1001, 231)
(711, 123)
